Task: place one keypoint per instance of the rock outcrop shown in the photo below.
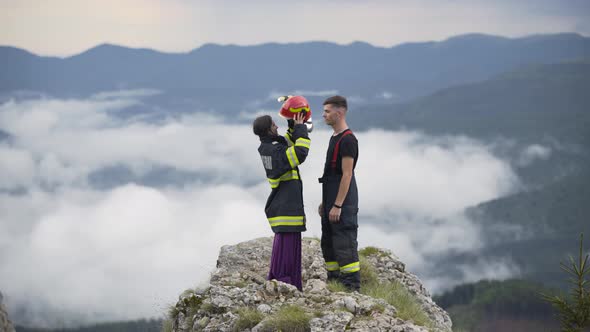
(240, 298)
(5, 324)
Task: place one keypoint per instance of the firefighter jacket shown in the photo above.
(280, 157)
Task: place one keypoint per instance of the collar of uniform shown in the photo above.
(270, 139)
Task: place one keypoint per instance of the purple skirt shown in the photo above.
(285, 263)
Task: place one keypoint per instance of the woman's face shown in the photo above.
(274, 129)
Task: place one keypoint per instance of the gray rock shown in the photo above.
(240, 281)
(316, 286)
(5, 323)
(264, 308)
(336, 321)
(349, 304)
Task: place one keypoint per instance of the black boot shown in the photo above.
(333, 275)
(352, 281)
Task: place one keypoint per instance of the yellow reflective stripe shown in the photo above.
(288, 138)
(273, 182)
(292, 156)
(299, 109)
(332, 266)
(353, 267)
(286, 221)
(286, 218)
(289, 175)
(304, 142)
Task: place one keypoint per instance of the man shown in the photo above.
(284, 207)
(339, 207)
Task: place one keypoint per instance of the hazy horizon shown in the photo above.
(180, 26)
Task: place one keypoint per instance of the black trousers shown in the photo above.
(339, 240)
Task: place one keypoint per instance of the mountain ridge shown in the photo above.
(208, 74)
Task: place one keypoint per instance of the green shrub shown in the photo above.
(247, 318)
(336, 286)
(378, 307)
(189, 303)
(368, 272)
(368, 251)
(574, 310)
(289, 318)
(393, 293)
(398, 296)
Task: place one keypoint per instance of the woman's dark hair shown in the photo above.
(261, 125)
(338, 101)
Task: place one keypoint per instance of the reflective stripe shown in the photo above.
(289, 175)
(304, 142)
(353, 267)
(286, 221)
(332, 266)
(273, 182)
(292, 156)
(289, 139)
(299, 109)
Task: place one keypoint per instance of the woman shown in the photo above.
(284, 207)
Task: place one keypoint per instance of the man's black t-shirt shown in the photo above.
(348, 148)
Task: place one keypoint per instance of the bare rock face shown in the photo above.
(5, 324)
(241, 299)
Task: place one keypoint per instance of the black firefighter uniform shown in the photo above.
(280, 157)
(339, 240)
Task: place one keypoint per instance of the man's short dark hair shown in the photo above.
(261, 125)
(338, 101)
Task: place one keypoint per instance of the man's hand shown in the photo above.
(335, 215)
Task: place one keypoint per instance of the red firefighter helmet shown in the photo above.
(293, 105)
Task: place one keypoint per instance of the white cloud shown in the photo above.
(497, 269)
(126, 94)
(78, 137)
(387, 95)
(114, 253)
(127, 251)
(16, 167)
(273, 95)
(532, 153)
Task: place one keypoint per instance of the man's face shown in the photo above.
(274, 129)
(331, 114)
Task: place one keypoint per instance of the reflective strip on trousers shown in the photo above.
(350, 268)
(292, 156)
(332, 266)
(286, 221)
(289, 175)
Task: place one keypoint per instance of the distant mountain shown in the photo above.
(527, 103)
(510, 305)
(539, 104)
(538, 229)
(547, 105)
(143, 325)
(231, 78)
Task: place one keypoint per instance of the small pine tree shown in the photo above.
(574, 313)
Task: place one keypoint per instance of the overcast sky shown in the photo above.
(67, 27)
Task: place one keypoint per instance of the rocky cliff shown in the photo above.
(239, 298)
(5, 324)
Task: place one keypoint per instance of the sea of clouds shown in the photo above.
(73, 250)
